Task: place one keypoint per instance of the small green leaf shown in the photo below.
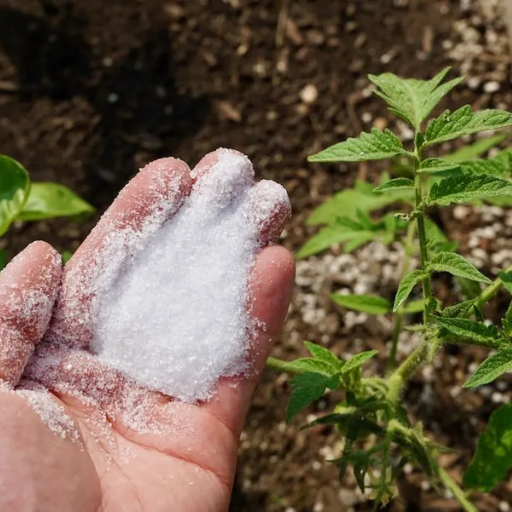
(49, 200)
(410, 99)
(66, 256)
(476, 149)
(323, 354)
(415, 306)
(435, 165)
(310, 364)
(493, 457)
(324, 239)
(407, 285)
(465, 328)
(460, 310)
(3, 259)
(371, 304)
(467, 187)
(395, 184)
(376, 145)
(506, 279)
(361, 197)
(358, 360)
(506, 322)
(14, 189)
(307, 388)
(491, 369)
(457, 266)
(465, 122)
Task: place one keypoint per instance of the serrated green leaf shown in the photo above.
(467, 187)
(436, 165)
(460, 310)
(491, 369)
(307, 388)
(493, 456)
(395, 184)
(323, 354)
(371, 304)
(361, 197)
(451, 125)
(506, 279)
(410, 99)
(457, 266)
(507, 322)
(376, 145)
(49, 200)
(358, 360)
(476, 149)
(465, 328)
(14, 190)
(491, 167)
(407, 285)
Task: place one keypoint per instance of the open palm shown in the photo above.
(125, 448)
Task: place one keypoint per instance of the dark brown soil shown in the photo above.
(90, 90)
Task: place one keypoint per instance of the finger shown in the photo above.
(28, 288)
(272, 284)
(142, 207)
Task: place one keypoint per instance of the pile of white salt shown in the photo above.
(176, 316)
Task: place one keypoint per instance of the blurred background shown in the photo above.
(91, 90)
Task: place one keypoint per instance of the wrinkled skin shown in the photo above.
(189, 468)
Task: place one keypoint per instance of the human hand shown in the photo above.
(125, 448)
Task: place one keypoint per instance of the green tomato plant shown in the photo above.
(379, 438)
(21, 199)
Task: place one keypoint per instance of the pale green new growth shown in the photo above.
(371, 304)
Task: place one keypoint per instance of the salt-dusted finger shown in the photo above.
(267, 207)
(28, 288)
(272, 284)
(142, 207)
(220, 179)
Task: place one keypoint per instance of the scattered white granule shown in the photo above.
(51, 413)
(175, 318)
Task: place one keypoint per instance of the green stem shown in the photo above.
(457, 492)
(399, 315)
(282, 366)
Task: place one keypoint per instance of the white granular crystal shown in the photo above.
(176, 316)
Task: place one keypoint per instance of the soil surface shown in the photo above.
(92, 90)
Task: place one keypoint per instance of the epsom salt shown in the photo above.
(175, 318)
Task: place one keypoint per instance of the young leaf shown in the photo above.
(464, 122)
(506, 279)
(460, 310)
(324, 239)
(376, 145)
(307, 388)
(312, 365)
(457, 266)
(49, 200)
(491, 368)
(358, 360)
(506, 322)
(395, 184)
(407, 285)
(361, 197)
(14, 189)
(410, 99)
(476, 149)
(467, 187)
(371, 304)
(415, 306)
(493, 456)
(465, 328)
(323, 354)
(435, 165)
